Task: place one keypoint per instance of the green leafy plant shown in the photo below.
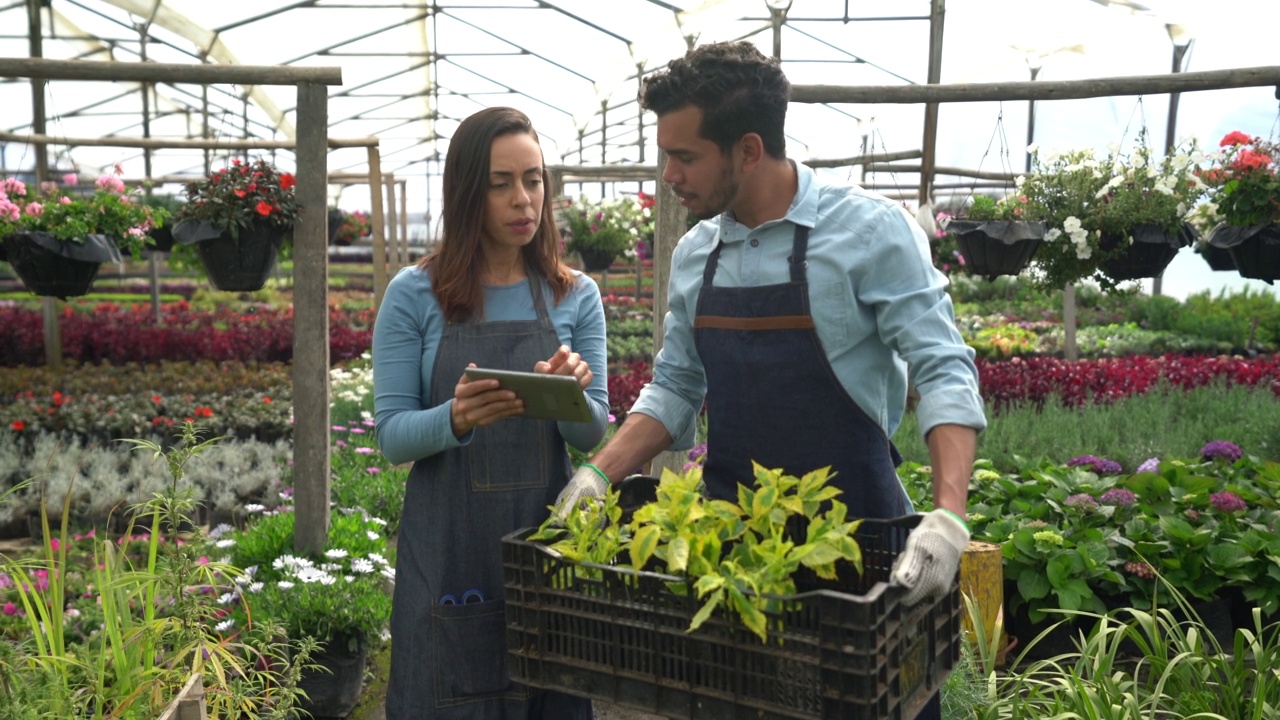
(109, 209)
(236, 197)
(738, 558)
(609, 227)
(338, 594)
(985, 207)
(1082, 197)
(1245, 181)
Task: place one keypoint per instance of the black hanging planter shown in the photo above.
(334, 694)
(335, 223)
(161, 239)
(996, 247)
(240, 264)
(1147, 256)
(1255, 249)
(1218, 259)
(596, 260)
(58, 268)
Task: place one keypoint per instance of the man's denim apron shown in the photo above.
(772, 397)
(448, 661)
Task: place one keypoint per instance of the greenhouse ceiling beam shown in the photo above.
(855, 58)
(179, 143)
(526, 50)
(584, 21)
(508, 88)
(165, 72)
(1041, 90)
(211, 46)
(126, 26)
(262, 16)
(363, 36)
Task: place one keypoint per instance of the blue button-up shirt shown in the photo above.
(880, 308)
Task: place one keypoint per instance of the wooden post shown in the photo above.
(393, 227)
(1069, 349)
(311, 326)
(982, 580)
(48, 305)
(404, 222)
(937, 14)
(189, 704)
(672, 217)
(376, 221)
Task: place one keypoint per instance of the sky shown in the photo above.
(562, 70)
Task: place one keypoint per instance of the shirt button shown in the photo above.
(755, 242)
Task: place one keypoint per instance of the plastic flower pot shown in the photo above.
(997, 247)
(234, 264)
(58, 268)
(1255, 249)
(1147, 256)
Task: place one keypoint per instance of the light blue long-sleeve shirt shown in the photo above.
(880, 308)
(407, 335)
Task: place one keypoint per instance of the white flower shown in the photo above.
(225, 543)
(389, 572)
(361, 565)
(219, 530)
(336, 553)
(377, 558)
(1071, 224)
(377, 520)
(254, 508)
(226, 598)
(349, 578)
(327, 579)
(225, 625)
(1018, 181)
(255, 587)
(284, 584)
(372, 535)
(1033, 148)
(1053, 234)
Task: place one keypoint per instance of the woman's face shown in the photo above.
(513, 206)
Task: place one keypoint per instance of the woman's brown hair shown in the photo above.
(457, 262)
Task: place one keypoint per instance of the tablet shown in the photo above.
(546, 397)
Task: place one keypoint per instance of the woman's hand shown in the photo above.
(566, 362)
(477, 403)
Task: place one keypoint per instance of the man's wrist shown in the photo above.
(598, 472)
(959, 519)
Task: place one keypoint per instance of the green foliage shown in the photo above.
(238, 196)
(1130, 430)
(607, 226)
(985, 207)
(340, 593)
(738, 558)
(1246, 186)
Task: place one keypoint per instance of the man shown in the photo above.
(799, 309)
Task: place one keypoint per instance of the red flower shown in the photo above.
(266, 400)
(58, 399)
(240, 193)
(18, 425)
(156, 399)
(204, 412)
(1249, 159)
(286, 181)
(1235, 137)
(265, 208)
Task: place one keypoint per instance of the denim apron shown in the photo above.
(448, 661)
(772, 397)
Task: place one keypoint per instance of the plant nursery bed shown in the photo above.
(850, 649)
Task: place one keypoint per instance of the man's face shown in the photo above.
(705, 180)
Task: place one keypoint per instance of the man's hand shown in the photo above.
(929, 563)
(588, 484)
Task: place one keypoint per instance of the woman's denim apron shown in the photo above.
(448, 661)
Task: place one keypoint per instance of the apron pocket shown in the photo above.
(471, 649)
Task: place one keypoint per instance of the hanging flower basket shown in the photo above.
(234, 264)
(997, 247)
(1255, 249)
(58, 268)
(596, 260)
(1147, 256)
(1218, 259)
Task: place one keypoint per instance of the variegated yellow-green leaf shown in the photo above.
(820, 554)
(763, 501)
(678, 555)
(778, 516)
(750, 614)
(708, 583)
(707, 608)
(643, 543)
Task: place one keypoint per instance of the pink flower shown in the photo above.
(70, 179)
(110, 183)
(9, 609)
(64, 200)
(34, 209)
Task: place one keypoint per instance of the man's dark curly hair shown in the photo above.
(738, 89)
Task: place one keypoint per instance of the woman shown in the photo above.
(495, 294)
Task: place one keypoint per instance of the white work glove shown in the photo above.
(928, 564)
(588, 484)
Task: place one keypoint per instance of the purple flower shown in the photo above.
(9, 609)
(1150, 465)
(1228, 502)
(1221, 449)
(1101, 466)
(1084, 501)
(1118, 496)
(364, 450)
(698, 452)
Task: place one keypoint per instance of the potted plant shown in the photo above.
(993, 236)
(351, 226)
(56, 238)
(1121, 217)
(238, 218)
(1246, 193)
(601, 231)
(339, 598)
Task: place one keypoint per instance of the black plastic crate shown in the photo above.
(850, 649)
